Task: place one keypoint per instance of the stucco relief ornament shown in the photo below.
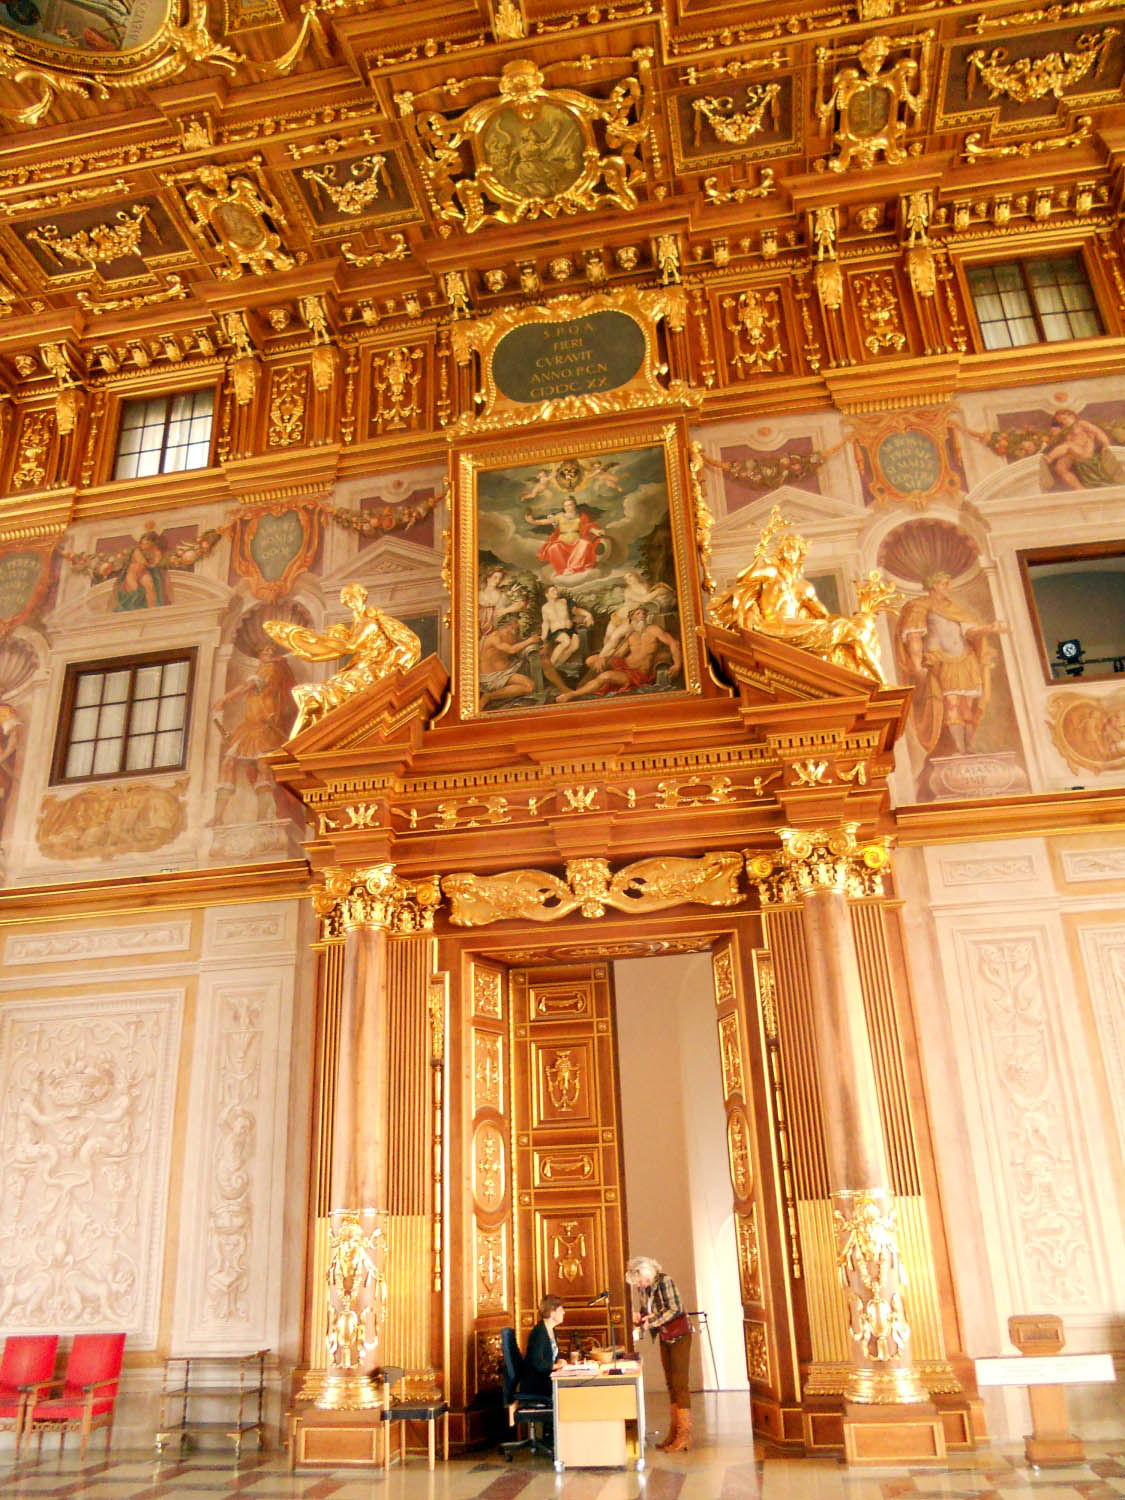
(772, 596)
(376, 643)
(530, 152)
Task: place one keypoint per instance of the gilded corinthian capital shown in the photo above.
(375, 898)
(819, 859)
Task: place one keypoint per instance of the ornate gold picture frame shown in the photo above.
(574, 574)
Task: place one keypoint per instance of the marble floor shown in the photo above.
(726, 1464)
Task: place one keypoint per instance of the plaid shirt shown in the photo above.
(660, 1303)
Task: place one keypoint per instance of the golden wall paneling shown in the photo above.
(491, 1245)
(568, 1160)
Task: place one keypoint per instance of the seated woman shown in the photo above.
(542, 1349)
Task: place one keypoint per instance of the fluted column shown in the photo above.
(820, 869)
(364, 907)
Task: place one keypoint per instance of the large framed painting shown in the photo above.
(574, 574)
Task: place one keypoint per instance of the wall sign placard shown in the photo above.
(575, 356)
(543, 361)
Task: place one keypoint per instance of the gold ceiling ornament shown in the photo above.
(509, 24)
(743, 193)
(375, 643)
(531, 152)
(877, 299)
(917, 210)
(311, 30)
(64, 198)
(70, 398)
(375, 898)
(772, 596)
(398, 251)
(590, 887)
(869, 1265)
(1030, 78)
(870, 103)
(1054, 12)
(812, 859)
(367, 177)
(314, 311)
(237, 216)
(753, 322)
(100, 244)
(168, 48)
(701, 512)
(975, 149)
(827, 274)
(245, 371)
(171, 290)
(736, 128)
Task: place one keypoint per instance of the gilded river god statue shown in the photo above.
(773, 597)
(377, 644)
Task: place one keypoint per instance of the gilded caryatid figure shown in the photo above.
(377, 644)
(773, 596)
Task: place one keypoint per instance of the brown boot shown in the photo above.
(683, 1435)
(673, 1430)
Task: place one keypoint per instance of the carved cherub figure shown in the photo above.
(376, 643)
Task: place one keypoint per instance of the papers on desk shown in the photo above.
(587, 1367)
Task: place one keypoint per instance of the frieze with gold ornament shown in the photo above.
(753, 321)
(819, 859)
(487, 164)
(976, 149)
(876, 298)
(395, 377)
(758, 1352)
(590, 887)
(749, 1259)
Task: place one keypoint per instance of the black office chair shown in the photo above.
(532, 1412)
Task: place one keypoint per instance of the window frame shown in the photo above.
(143, 396)
(1076, 552)
(987, 262)
(64, 723)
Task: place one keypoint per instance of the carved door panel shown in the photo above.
(754, 1203)
(568, 1169)
(490, 1169)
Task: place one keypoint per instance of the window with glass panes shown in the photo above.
(1033, 302)
(124, 717)
(165, 434)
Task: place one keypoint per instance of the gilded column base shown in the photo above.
(341, 1390)
(868, 1386)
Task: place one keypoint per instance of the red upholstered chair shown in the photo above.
(28, 1360)
(86, 1394)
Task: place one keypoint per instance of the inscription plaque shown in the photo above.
(543, 361)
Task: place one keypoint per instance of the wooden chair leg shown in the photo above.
(402, 1445)
(445, 1436)
(431, 1437)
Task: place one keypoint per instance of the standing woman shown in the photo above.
(662, 1312)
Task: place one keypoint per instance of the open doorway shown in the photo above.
(677, 1179)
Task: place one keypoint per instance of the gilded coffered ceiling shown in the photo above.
(171, 170)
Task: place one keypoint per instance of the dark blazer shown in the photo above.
(537, 1363)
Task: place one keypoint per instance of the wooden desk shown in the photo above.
(591, 1408)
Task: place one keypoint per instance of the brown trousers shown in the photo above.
(676, 1358)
